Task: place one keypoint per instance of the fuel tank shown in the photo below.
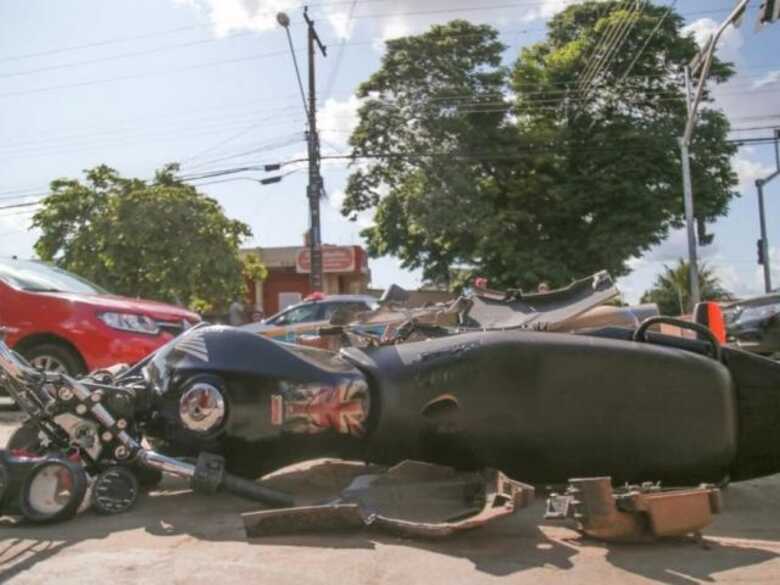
(542, 407)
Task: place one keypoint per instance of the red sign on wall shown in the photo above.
(334, 259)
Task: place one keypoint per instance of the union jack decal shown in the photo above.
(316, 408)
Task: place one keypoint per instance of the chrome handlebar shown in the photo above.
(13, 367)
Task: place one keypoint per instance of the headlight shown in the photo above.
(130, 322)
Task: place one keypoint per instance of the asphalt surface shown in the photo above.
(173, 536)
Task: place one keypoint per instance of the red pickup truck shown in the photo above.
(61, 322)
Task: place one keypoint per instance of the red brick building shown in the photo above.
(345, 271)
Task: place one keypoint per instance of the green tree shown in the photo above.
(161, 240)
(670, 290)
(561, 182)
(440, 92)
(613, 187)
(252, 268)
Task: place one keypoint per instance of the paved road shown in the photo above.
(173, 537)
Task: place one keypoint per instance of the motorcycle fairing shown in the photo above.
(545, 407)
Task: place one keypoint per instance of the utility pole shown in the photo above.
(701, 64)
(763, 243)
(314, 190)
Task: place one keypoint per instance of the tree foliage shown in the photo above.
(670, 289)
(160, 240)
(430, 208)
(525, 176)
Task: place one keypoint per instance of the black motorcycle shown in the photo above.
(222, 406)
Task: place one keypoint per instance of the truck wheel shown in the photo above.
(53, 357)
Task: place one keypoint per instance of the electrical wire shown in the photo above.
(281, 143)
(631, 21)
(641, 51)
(606, 37)
(297, 73)
(124, 142)
(197, 67)
(339, 55)
(127, 131)
(602, 63)
(131, 54)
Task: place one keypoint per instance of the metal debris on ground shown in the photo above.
(411, 499)
(634, 513)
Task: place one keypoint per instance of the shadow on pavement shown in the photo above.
(506, 547)
(684, 563)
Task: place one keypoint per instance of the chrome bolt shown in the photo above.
(106, 437)
(81, 409)
(96, 396)
(121, 452)
(121, 424)
(65, 394)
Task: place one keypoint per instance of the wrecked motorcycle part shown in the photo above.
(515, 309)
(754, 324)
(115, 490)
(210, 477)
(532, 404)
(634, 513)
(607, 316)
(48, 407)
(412, 499)
(564, 309)
(540, 406)
(40, 489)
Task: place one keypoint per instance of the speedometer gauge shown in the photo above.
(53, 491)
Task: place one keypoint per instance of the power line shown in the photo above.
(604, 41)
(135, 129)
(339, 56)
(101, 43)
(641, 51)
(144, 75)
(604, 60)
(121, 142)
(281, 143)
(631, 21)
(140, 53)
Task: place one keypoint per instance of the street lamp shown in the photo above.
(702, 62)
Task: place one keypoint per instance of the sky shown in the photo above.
(136, 84)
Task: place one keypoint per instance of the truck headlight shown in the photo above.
(130, 322)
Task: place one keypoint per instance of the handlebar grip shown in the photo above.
(210, 476)
(253, 491)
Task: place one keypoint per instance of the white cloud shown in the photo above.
(394, 19)
(337, 119)
(16, 237)
(769, 79)
(235, 15)
(729, 44)
(749, 170)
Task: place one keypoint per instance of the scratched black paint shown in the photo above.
(542, 407)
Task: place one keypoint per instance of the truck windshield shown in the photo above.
(35, 276)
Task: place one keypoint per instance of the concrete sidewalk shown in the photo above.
(173, 536)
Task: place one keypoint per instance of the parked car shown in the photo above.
(306, 317)
(754, 324)
(61, 322)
